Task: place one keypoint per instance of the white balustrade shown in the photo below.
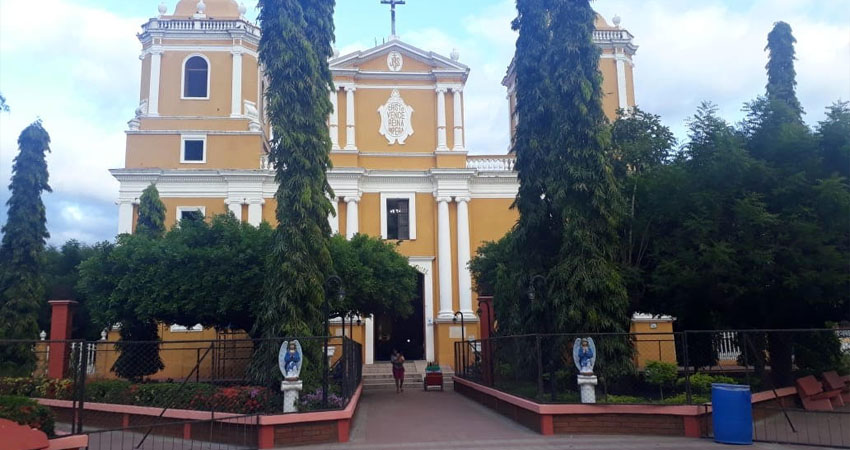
(491, 163)
(200, 25)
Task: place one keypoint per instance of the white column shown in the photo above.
(153, 95)
(622, 92)
(369, 326)
(255, 212)
(352, 221)
(444, 247)
(458, 116)
(334, 119)
(464, 280)
(235, 206)
(236, 84)
(125, 217)
(349, 118)
(333, 218)
(441, 119)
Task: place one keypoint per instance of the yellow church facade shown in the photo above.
(402, 169)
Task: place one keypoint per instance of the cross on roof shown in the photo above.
(392, 4)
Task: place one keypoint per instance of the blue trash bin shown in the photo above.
(732, 413)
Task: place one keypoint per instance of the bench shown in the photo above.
(832, 382)
(814, 398)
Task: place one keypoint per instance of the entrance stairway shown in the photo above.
(379, 376)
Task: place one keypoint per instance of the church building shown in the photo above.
(402, 167)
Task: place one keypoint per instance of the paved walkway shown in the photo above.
(434, 420)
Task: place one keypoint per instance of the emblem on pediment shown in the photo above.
(396, 123)
(395, 61)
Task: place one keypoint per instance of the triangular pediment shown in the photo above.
(413, 61)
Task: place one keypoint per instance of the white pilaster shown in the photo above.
(350, 144)
(370, 339)
(235, 206)
(125, 217)
(352, 220)
(255, 211)
(441, 119)
(464, 281)
(153, 95)
(236, 85)
(334, 119)
(622, 91)
(458, 116)
(444, 247)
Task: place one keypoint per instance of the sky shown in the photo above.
(74, 64)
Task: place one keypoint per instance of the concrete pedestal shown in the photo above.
(291, 391)
(587, 386)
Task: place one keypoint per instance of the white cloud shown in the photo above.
(76, 68)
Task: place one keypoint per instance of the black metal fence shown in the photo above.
(208, 391)
(653, 368)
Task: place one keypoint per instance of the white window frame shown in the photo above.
(183, 77)
(192, 137)
(411, 201)
(182, 209)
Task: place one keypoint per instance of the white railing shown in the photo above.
(727, 346)
(611, 35)
(494, 163)
(91, 354)
(200, 25)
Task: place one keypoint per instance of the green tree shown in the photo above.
(61, 274)
(569, 202)
(833, 136)
(4, 107)
(781, 76)
(294, 49)
(22, 249)
(641, 144)
(377, 279)
(139, 344)
(151, 221)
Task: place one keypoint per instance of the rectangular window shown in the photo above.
(190, 213)
(398, 219)
(193, 149)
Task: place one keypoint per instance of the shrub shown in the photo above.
(192, 396)
(61, 389)
(18, 386)
(109, 391)
(626, 400)
(682, 399)
(25, 411)
(660, 374)
(701, 382)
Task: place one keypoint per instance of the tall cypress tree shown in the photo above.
(781, 76)
(24, 236)
(294, 49)
(151, 221)
(569, 201)
(138, 347)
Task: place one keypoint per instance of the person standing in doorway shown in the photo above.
(397, 360)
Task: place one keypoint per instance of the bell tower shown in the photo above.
(200, 107)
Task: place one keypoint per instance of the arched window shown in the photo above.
(196, 78)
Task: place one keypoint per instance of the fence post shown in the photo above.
(687, 362)
(539, 368)
(61, 318)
